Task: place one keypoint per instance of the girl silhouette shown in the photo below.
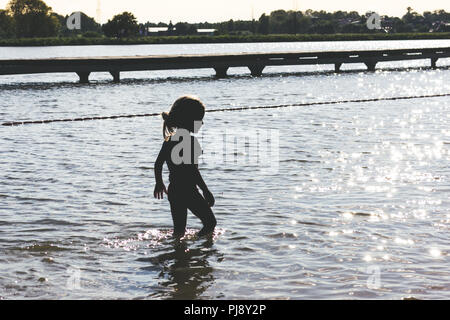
(180, 150)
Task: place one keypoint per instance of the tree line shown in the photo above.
(33, 18)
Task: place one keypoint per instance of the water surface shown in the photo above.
(360, 195)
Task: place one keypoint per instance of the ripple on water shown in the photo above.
(153, 238)
(41, 247)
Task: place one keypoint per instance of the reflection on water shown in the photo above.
(358, 208)
(182, 266)
(185, 272)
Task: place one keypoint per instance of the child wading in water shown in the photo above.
(185, 117)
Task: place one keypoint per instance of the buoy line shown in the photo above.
(19, 123)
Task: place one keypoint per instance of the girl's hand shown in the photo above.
(209, 197)
(160, 189)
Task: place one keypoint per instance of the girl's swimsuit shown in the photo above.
(182, 174)
(183, 193)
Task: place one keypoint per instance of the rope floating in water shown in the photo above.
(19, 123)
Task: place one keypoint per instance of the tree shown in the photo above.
(263, 25)
(184, 28)
(121, 25)
(7, 27)
(33, 18)
(279, 22)
(324, 27)
(303, 24)
(293, 17)
(230, 26)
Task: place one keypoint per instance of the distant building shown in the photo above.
(346, 21)
(158, 31)
(164, 31)
(206, 32)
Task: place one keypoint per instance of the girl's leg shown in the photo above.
(178, 209)
(202, 210)
(179, 217)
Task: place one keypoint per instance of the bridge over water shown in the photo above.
(256, 62)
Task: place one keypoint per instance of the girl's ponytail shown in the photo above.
(167, 125)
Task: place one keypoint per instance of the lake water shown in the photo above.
(356, 208)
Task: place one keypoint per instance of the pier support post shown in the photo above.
(221, 72)
(433, 63)
(256, 70)
(116, 76)
(337, 67)
(370, 65)
(84, 76)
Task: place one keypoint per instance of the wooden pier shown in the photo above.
(256, 62)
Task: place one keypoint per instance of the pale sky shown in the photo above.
(215, 10)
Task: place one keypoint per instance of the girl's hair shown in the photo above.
(185, 110)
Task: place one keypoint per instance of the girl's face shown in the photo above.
(197, 125)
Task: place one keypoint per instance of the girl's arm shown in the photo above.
(160, 188)
(202, 185)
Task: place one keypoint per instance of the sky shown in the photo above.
(223, 10)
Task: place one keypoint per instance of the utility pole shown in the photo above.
(295, 7)
(253, 18)
(99, 12)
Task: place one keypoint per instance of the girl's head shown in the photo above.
(185, 112)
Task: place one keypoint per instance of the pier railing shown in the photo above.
(256, 62)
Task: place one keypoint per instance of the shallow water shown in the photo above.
(357, 207)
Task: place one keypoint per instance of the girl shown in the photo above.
(185, 116)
